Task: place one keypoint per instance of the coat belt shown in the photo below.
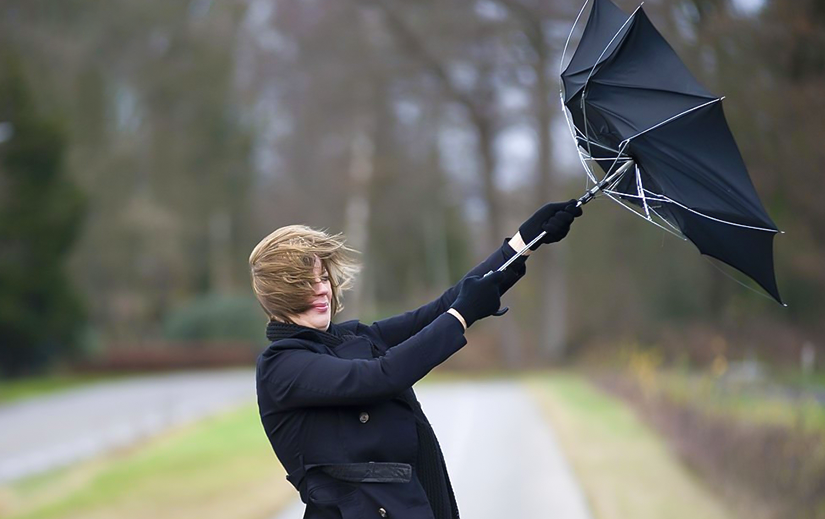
(372, 472)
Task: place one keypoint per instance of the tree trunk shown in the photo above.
(358, 211)
(494, 232)
(550, 273)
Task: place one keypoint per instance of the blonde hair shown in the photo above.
(282, 267)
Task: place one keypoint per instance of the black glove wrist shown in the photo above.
(479, 297)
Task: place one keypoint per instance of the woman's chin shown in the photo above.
(312, 319)
(321, 322)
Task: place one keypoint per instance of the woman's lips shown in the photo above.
(321, 307)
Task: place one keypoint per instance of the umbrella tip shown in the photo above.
(785, 305)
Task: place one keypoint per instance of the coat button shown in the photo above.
(364, 418)
(382, 512)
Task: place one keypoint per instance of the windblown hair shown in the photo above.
(282, 266)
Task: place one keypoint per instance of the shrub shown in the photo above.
(217, 318)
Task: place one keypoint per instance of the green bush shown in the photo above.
(217, 317)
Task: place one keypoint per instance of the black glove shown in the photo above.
(554, 218)
(478, 297)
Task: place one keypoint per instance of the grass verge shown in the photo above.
(625, 469)
(219, 467)
(14, 390)
(765, 458)
(763, 403)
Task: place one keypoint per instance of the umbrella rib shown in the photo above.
(588, 157)
(592, 70)
(573, 129)
(567, 117)
(590, 175)
(596, 159)
(570, 126)
(666, 198)
(596, 64)
(602, 146)
(631, 195)
(667, 222)
(648, 88)
(615, 160)
(640, 190)
(583, 159)
(566, 44)
(648, 217)
(681, 114)
(654, 222)
(586, 124)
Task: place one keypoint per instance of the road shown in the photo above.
(502, 455)
(47, 432)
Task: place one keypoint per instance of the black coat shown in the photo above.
(341, 418)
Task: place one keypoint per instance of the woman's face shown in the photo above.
(319, 315)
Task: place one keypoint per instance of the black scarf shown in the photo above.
(332, 337)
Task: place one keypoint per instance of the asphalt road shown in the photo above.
(47, 432)
(501, 453)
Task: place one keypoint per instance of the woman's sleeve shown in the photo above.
(302, 378)
(396, 329)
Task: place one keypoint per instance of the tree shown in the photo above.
(40, 216)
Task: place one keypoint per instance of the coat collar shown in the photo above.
(332, 337)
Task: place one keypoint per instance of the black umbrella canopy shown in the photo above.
(631, 97)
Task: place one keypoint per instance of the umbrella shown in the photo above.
(655, 140)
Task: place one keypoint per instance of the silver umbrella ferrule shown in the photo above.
(609, 179)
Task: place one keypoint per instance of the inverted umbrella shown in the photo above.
(662, 142)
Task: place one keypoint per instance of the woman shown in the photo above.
(336, 400)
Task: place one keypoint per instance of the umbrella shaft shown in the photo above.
(519, 253)
(591, 193)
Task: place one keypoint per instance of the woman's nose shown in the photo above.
(321, 288)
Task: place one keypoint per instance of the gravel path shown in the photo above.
(501, 454)
(47, 432)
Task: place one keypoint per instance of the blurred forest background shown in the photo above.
(146, 147)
